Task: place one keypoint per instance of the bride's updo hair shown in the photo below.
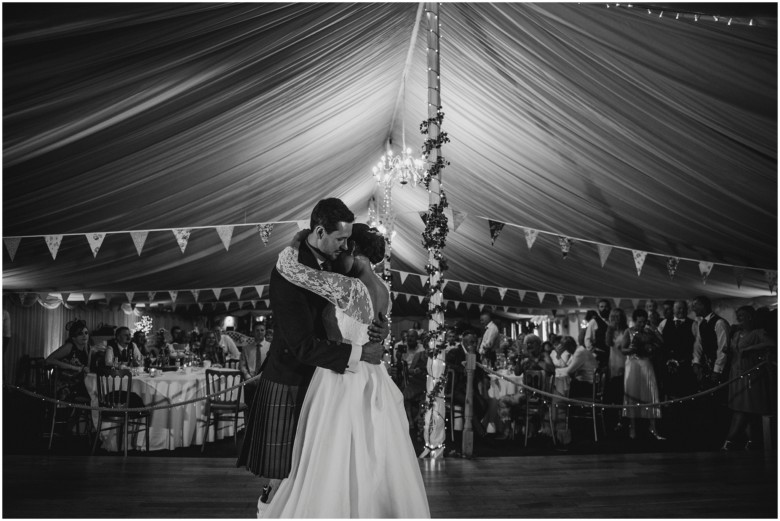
(368, 241)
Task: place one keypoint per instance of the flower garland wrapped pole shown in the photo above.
(434, 237)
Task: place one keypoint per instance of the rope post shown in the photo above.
(468, 413)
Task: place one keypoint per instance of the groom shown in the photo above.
(300, 345)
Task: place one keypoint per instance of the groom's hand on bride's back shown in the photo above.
(377, 332)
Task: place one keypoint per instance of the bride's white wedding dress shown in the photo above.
(353, 457)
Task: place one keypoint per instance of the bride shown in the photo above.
(352, 455)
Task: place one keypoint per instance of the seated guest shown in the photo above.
(253, 357)
(72, 359)
(560, 355)
(122, 350)
(179, 344)
(577, 382)
(210, 349)
(534, 359)
(229, 349)
(139, 339)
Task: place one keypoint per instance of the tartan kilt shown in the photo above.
(273, 418)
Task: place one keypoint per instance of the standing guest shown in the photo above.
(269, 334)
(456, 361)
(488, 347)
(252, 358)
(710, 361)
(677, 377)
(122, 350)
(229, 348)
(589, 315)
(639, 382)
(73, 360)
(415, 360)
(618, 339)
(668, 310)
(749, 396)
(596, 333)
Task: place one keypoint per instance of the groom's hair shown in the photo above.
(329, 213)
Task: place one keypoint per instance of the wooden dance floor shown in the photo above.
(646, 485)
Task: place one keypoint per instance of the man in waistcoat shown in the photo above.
(596, 333)
(710, 365)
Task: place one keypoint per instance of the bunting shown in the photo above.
(217, 292)
(182, 237)
(403, 275)
(238, 290)
(139, 239)
(260, 288)
(565, 244)
(635, 302)
(424, 217)
(639, 260)
(225, 234)
(95, 241)
(482, 289)
(254, 304)
(739, 274)
(53, 242)
(521, 294)
(12, 244)
(495, 229)
(578, 298)
(151, 296)
(541, 296)
(616, 300)
(195, 293)
(423, 279)
(265, 232)
(771, 280)
(705, 268)
(671, 266)
(604, 251)
(560, 299)
(200, 305)
(457, 219)
(502, 292)
(174, 295)
(86, 297)
(463, 287)
(130, 295)
(530, 236)
(267, 303)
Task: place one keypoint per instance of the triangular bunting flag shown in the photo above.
(195, 293)
(53, 242)
(200, 305)
(12, 244)
(265, 232)
(502, 292)
(635, 302)
(64, 296)
(506, 309)
(238, 291)
(267, 303)
(616, 301)
(260, 288)
(495, 229)
(423, 279)
(541, 296)
(671, 266)
(604, 251)
(303, 225)
(639, 260)
(457, 219)
(95, 241)
(705, 268)
(771, 280)
(578, 298)
(86, 297)
(463, 287)
(424, 217)
(217, 292)
(560, 299)
(254, 304)
(139, 239)
(482, 289)
(530, 236)
(739, 274)
(182, 237)
(152, 295)
(43, 296)
(414, 297)
(130, 295)
(443, 284)
(174, 293)
(225, 233)
(565, 244)
(521, 294)
(481, 307)
(403, 275)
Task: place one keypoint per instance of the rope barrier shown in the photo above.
(126, 409)
(585, 403)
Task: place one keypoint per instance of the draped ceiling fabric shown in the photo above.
(606, 125)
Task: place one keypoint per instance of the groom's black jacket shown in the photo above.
(300, 342)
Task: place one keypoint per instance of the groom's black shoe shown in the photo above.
(265, 494)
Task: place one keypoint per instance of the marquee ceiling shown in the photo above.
(611, 126)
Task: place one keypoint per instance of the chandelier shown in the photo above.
(403, 169)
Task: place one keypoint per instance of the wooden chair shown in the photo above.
(595, 395)
(114, 390)
(227, 403)
(232, 363)
(48, 380)
(535, 404)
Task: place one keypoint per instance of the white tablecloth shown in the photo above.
(168, 428)
(500, 387)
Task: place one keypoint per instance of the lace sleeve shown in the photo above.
(331, 286)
